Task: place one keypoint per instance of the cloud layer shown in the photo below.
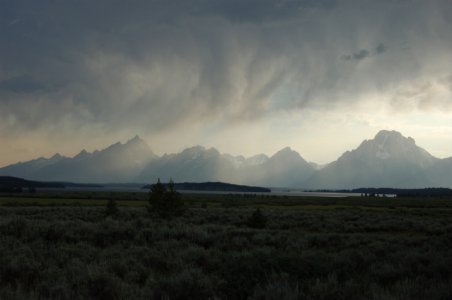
(153, 66)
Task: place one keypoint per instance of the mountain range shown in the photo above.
(387, 160)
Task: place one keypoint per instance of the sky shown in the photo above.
(243, 76)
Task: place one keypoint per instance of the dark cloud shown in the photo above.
(21, 84)
(365, 53)
(161, 64)
(362, 54)
(260, 11)
(381, 48)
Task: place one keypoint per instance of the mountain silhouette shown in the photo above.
(192, 164)
(116, 163)
(387, 160)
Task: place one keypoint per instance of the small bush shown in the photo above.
(112, 208)
(257, 220)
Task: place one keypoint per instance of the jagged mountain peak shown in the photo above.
(384, 134)
(133, 145)
(391, 145)
(242, 161)
(57, 156)
(390, 159)
(286, 150)
(112, 146)
(115, 163)
(135, 140)
(286, 153)
(82, 155)
(390, 137)
(199, 150)
(193, 152)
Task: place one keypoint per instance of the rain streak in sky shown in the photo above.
(243, 76)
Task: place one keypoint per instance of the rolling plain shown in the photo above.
(64, 245)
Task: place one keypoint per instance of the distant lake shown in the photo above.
(314, 194)
(275, 191)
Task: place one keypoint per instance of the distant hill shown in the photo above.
(217, 187)
(14, 184)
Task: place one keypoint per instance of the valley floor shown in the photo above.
(351, 248)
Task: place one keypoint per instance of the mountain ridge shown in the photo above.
(388, 160)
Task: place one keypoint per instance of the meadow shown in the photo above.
(56, 245)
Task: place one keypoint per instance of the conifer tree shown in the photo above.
(165, 201)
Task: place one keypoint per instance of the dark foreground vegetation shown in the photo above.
(223, 247)
(217, 187)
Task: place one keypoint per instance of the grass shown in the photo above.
(63, 246)
(137, 199)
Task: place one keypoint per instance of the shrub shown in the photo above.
(188, 283)
(277, 286)
(112, 208)
(257, 220)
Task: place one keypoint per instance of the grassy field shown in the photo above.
(63, 246)
(140, 199)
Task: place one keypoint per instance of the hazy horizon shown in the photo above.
(73, 154)
(244, 77)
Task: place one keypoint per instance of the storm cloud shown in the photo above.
(365, 53)
(158, 65)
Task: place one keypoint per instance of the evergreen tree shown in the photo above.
(165, 202)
